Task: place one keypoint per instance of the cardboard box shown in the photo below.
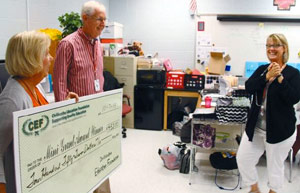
(217, 63)
(112, 30)
(144, 63)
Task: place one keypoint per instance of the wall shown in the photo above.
(11, 22)
(42, 14)
(249, 7)
(245, 41)
(163, 26)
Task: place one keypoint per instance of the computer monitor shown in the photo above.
(3, 74)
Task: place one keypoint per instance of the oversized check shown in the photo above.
(68, 147)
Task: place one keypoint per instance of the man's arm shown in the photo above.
(60, 71)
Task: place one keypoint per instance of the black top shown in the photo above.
(281, 98)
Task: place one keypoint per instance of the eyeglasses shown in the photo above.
(274, 46)
(100, 19)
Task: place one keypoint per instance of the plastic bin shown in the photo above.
(195, 82)
(175, 80)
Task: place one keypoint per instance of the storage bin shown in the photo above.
(236, 114)
(240, 93)
(194, 81)
(112, 30)
(175, 80)
(232, 109)
(212, 82)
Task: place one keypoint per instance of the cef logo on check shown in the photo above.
(34, 127)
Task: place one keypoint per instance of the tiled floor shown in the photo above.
(142, 170)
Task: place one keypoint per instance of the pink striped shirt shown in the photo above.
(78, 63)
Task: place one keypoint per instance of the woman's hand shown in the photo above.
(2, 188)
(274, 70)
(73, 95)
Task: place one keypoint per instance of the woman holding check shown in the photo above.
(274, 88)
(27, 61)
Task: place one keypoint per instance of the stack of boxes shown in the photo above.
(144, 63)
(112, 38)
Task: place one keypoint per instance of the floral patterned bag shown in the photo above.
(204, 136)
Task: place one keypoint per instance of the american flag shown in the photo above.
(193, 7)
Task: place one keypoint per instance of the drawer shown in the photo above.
(128, 81)
(125, 66)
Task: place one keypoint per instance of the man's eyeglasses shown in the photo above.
(100, 19)
(274, 46)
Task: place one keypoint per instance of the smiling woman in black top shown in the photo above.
(275, 88)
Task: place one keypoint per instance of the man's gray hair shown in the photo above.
(89, 7)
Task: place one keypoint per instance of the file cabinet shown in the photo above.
(124, 69)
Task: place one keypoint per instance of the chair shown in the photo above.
(126, 108)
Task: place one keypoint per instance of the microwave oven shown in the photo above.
(151, 77)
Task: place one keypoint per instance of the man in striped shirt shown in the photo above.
(79, 58)
(78, 65)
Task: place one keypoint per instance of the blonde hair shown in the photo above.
(25, 53)
(281, 39)
(89, 7)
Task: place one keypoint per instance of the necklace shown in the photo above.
(270, 81)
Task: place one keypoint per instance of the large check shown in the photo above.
(68, 147)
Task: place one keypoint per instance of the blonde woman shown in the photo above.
(275, 88)
(27, 61)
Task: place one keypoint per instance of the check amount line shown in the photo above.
(104, 112)
(76, 146)
(71, 164)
